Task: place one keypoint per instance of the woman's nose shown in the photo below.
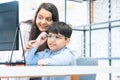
(43, 21)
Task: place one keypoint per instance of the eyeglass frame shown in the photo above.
(55, 37)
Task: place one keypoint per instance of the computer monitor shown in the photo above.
(9, 20)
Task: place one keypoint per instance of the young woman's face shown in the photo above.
(57, 41)
(44, 19)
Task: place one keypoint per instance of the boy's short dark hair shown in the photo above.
(60, 27)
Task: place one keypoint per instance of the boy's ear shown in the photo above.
(67, 41)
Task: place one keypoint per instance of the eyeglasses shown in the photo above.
(55, 37)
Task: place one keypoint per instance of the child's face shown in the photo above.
(57, 41)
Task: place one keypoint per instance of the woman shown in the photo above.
(46, 14)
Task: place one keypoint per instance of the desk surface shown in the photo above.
(37, 71)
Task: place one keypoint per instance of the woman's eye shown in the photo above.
(40, 17)
(49, 19)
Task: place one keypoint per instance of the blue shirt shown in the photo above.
(62, 57)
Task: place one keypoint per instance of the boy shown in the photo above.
(57, 36)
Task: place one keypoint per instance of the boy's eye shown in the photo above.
(57, 37)
(49, 36)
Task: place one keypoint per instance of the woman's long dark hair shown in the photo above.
(55, 17)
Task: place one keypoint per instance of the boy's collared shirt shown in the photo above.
(62, 57)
